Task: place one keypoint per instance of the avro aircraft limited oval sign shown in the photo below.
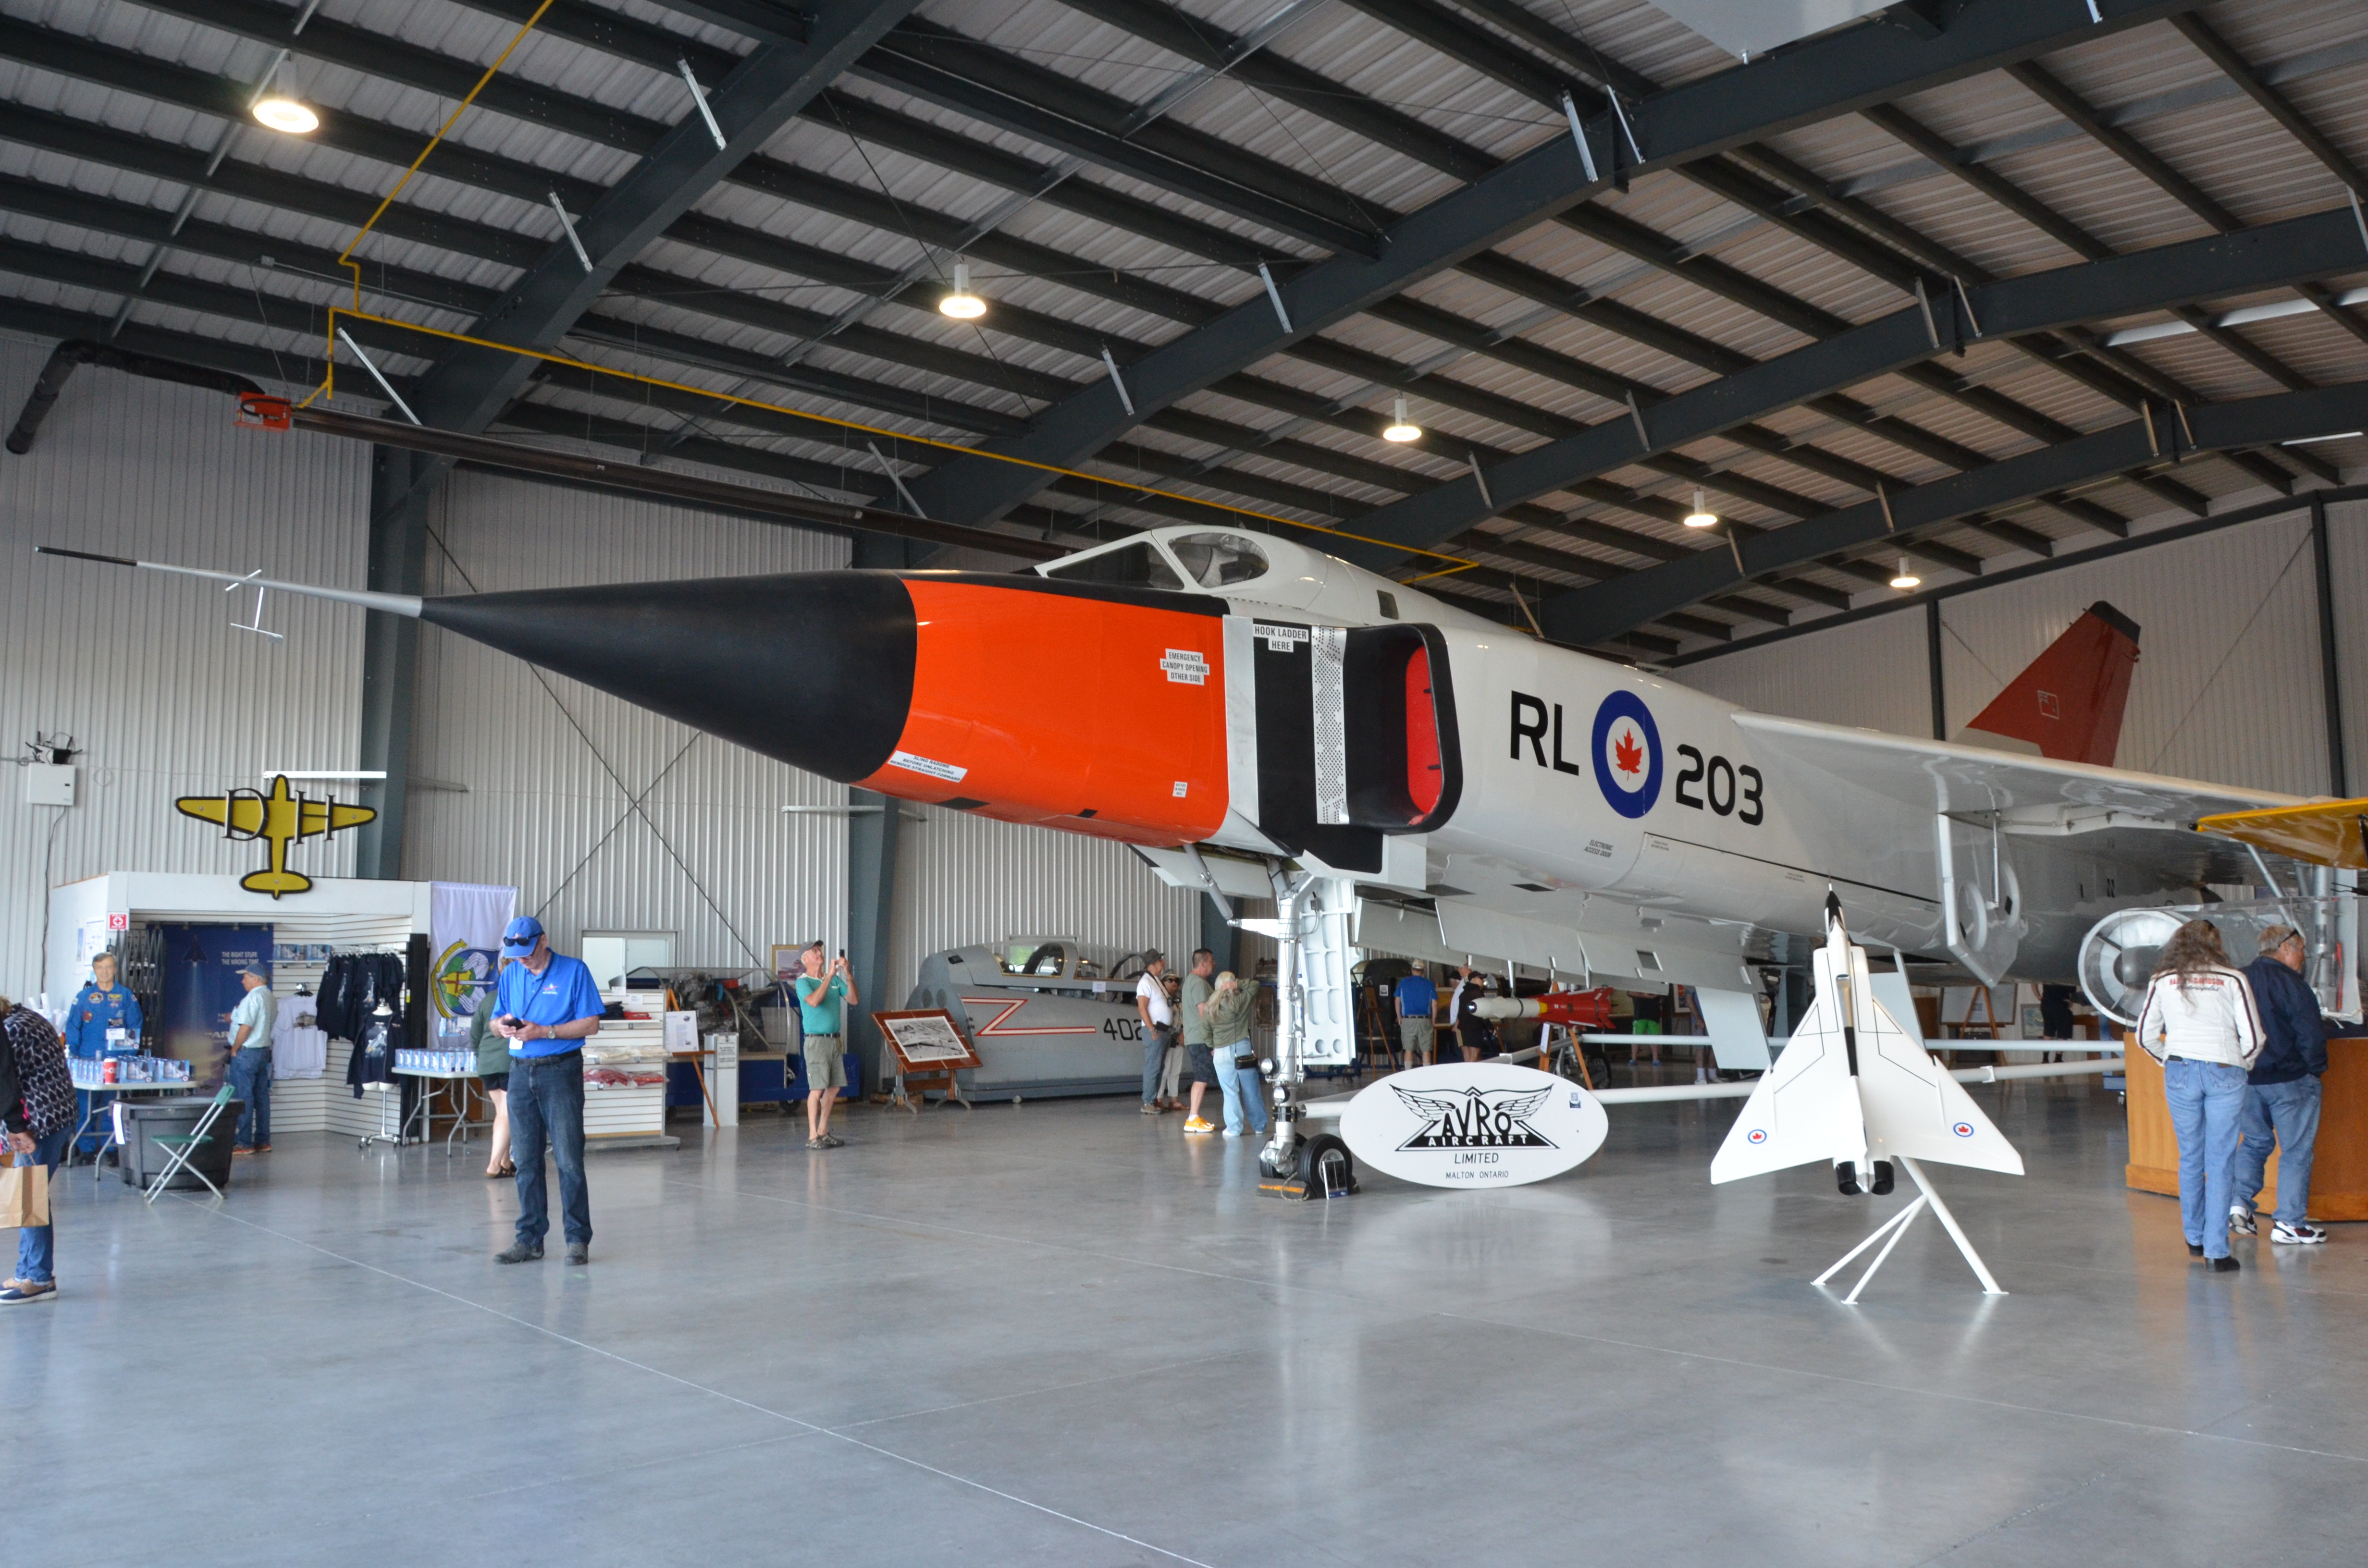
(1474, 1125)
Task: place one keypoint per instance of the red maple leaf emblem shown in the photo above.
(1626, 754)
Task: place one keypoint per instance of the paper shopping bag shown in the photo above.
(24, 1196)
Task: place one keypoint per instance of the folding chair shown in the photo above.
(181, 1148)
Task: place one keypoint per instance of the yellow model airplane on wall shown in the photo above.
(280, 818)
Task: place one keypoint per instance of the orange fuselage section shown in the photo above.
(1093, 716)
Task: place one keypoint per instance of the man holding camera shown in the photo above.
(823, 1001)
(546, 1006)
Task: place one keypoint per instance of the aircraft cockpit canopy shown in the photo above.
(1213, 561)
(1042, 959)
(1218, 559)
(1136, 565)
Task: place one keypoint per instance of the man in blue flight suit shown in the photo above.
(104, 1021)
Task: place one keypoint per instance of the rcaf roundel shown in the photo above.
(1627, 746)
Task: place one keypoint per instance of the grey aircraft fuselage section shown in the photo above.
(1041, 1018)
(1594, 794)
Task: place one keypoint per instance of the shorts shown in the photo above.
(494, 1083)
(1417, 1036)
(825, 1063)
(1201, 1067)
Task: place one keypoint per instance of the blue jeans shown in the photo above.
(250, 1075)
(2290, 1113)
(1241, 1088)
(547, 1109)
(2207, 1099)
(37, 1252)
(1154, 1051)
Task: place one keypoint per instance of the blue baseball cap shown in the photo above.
(518, 941)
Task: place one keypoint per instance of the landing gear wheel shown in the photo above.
(1327, 1168)
(1267, 1166)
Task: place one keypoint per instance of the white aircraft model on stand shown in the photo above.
(1855, 1089)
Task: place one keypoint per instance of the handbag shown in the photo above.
(23, 1197)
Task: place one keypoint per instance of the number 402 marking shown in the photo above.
(1718, 776)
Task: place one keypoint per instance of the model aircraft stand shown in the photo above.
(1896, 1227)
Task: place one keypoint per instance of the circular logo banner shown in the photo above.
(1627, 754)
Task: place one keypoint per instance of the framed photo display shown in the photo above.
(926, 1041)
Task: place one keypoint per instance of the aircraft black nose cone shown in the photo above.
(815, 669)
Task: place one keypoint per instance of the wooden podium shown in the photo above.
(2338, 1172)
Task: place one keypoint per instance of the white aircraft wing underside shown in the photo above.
(1916, 773)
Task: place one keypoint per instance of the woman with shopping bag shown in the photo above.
(37, 1105)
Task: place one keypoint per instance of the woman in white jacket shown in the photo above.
(2200, 1023)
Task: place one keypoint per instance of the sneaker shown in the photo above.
(1151, 1110)
(2241, 1222)
(260, 1149)
(816, 1143)
(1199, 1124)
(2304, 1235)
(240, 1149)
(1233, 1132)
(20, 1292)
(2195, 1249)
(833, 1140)
(520, 1252)
(2223, 1265)
(579, 1253)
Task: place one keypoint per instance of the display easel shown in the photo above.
(928, 1048)
(1896, 1227)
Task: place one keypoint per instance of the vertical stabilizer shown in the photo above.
(2067, 705)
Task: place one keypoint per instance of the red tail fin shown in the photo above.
(2068, 703)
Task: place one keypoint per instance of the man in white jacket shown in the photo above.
(2201, 1022)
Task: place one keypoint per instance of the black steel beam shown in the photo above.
(1595, 614)
(2252, 259)
(943, 67)
(761, 93)
(1836, 74)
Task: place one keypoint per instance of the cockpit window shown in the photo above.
(1136, 566)
(1217, 561)
(1046, 959)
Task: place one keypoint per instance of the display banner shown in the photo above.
(200, 986)
(1474, 1125)
(465, 921)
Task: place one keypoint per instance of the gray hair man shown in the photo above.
(2282, 1096)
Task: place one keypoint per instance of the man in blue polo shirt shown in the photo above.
(546, 1006)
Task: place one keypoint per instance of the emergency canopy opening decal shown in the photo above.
(1627, 749)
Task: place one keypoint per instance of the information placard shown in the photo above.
(926, 1041)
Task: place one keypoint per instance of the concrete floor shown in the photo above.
(1060, 1334)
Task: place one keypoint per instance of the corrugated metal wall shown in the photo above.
(2228, 684)
(962, 878)
(1870, 674)
(144, 670)
(604, 815)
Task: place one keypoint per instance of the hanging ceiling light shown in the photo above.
(278, 108)
(1701, 516)
(1905, 579)
(1402, 429)
(961, 304)
(289, 116)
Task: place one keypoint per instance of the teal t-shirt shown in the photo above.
(822, 1003)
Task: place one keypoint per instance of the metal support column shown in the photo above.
(1932, 663)
(872, 835)
(1217, 934)
(2330, 675)
(398, 564)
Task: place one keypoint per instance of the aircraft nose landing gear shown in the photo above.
(1317, 1167)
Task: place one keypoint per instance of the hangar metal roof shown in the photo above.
(2153, 206)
